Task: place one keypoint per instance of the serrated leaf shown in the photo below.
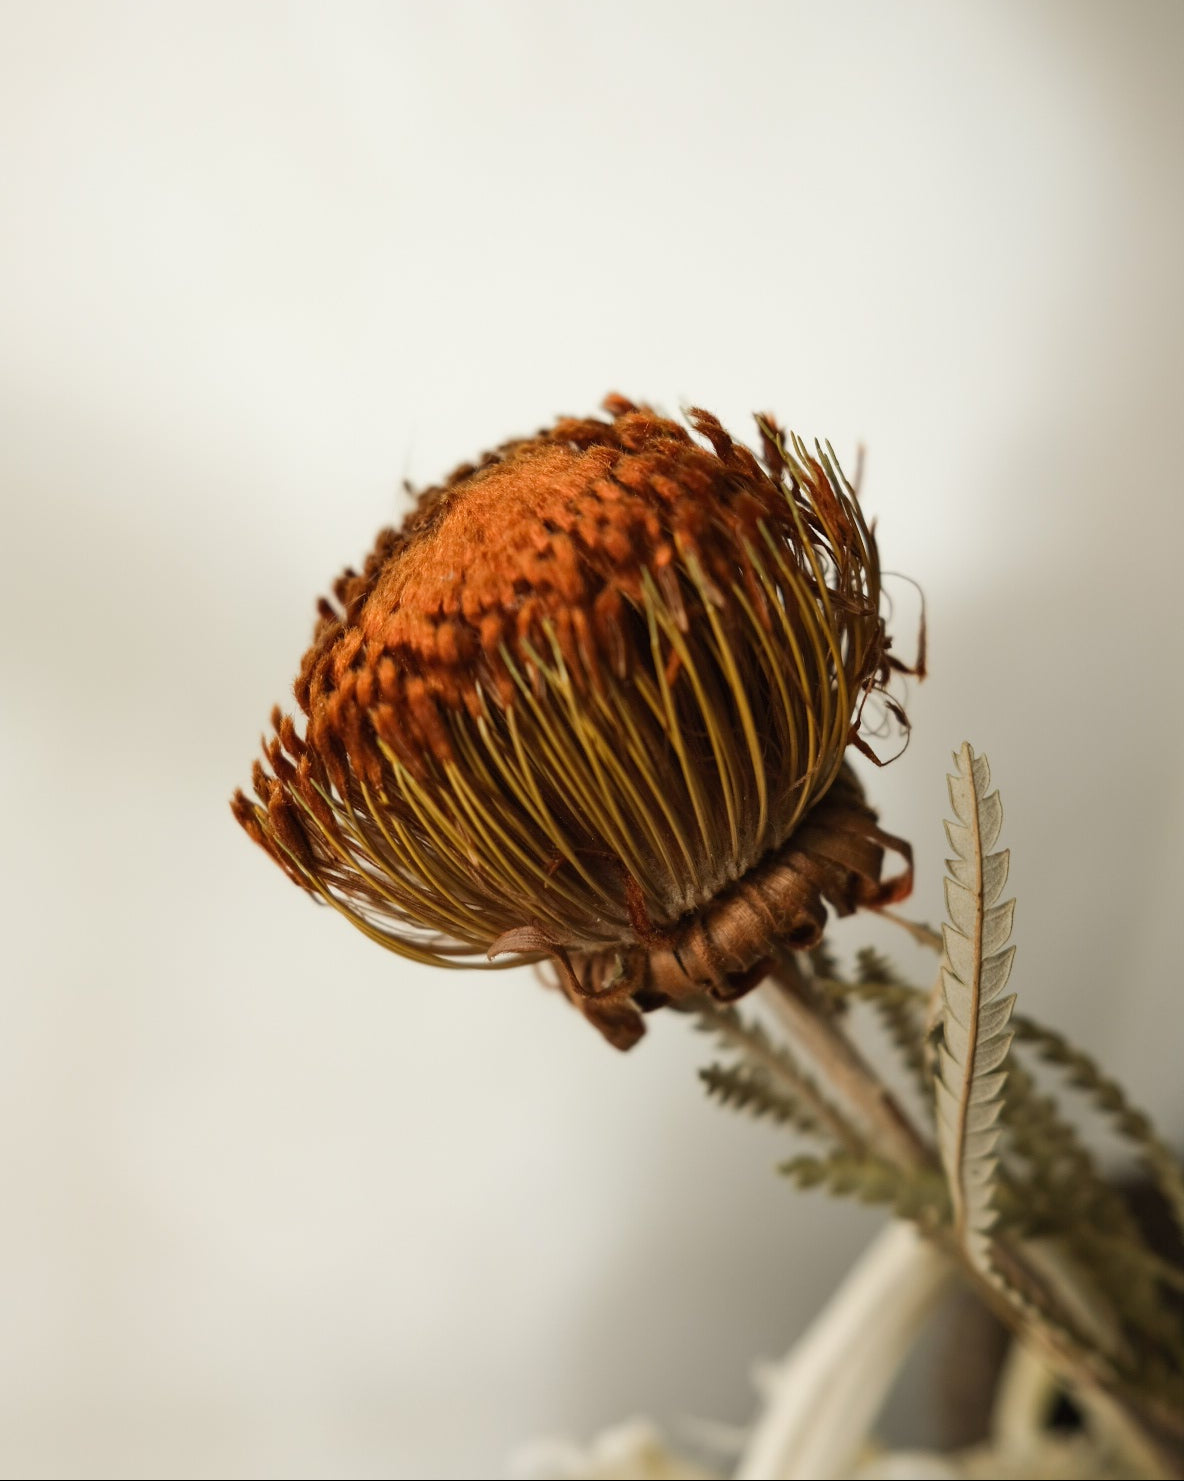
(976, 964)
(990, 821)
(962, 905)
(997, 923)
(991, 1020)
(961, 841)
(994, 873)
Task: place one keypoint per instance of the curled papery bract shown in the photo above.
(591, 703)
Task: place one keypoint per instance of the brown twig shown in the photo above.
(889, 1132)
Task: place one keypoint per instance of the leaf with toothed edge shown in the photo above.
(976, 964)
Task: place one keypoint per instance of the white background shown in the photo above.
(276, 1203)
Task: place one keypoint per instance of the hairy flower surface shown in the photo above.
(591, 703)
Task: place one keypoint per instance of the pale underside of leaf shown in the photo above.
(976, 964)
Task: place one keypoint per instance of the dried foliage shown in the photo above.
(775, 1067)
(1054, 1188)
(747, 1087)
(870, 1180)
(1107, 1095)
(975, 1038)
(901, 1014)
(1012, 1181)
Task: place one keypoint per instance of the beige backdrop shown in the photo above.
(275, 1203)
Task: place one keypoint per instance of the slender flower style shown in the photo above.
(591, 704)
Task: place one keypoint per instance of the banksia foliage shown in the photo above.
(976, 964)
(591, 703)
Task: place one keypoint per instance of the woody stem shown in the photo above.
(889, 1132)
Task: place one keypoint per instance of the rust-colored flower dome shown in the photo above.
(591, 703)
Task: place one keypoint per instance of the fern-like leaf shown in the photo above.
(912, 1195)
(1053, 1179)
(899, 1014)
(870, 992)
(749, 1038)
(1108, 1096)
(976, 964)
(1055, 1187)
(746, 1087)
(872, 966)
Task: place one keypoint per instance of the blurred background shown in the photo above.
(275, 1202)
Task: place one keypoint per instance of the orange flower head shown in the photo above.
(591, 703)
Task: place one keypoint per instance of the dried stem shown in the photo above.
(887, 1129)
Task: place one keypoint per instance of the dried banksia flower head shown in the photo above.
(591, 704)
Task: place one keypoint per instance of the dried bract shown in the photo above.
(591, 703)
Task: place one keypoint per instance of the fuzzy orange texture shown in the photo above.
(551, 533)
